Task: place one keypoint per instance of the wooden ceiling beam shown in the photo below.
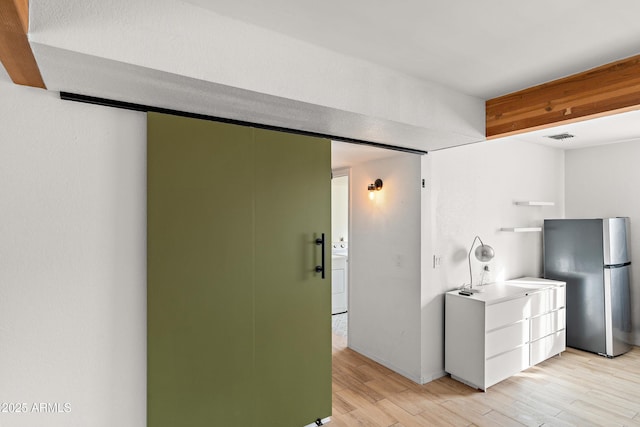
(15, 51)
(605, 90)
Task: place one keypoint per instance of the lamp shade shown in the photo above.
(484, 253)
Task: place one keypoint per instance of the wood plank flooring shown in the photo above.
(575, 389)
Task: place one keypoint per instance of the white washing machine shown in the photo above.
(339, 277)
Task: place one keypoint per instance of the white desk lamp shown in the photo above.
(484, 253)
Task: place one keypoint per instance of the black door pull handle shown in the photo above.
(320, 268)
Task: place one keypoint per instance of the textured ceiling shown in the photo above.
(621, 127)
(482, 48)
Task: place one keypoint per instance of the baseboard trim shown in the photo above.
(432, 377)
(386, 364)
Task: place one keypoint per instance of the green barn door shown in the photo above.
(199, 273)
(293, 303)
(238, 321)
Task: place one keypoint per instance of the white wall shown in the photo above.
(384, 263)
(472, 192)
(72, 260)
(603, 182)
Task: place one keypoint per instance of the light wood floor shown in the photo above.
(577, 389)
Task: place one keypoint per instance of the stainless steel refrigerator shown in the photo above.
(593, 257)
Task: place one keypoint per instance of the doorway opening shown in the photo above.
(339, 251)
(345, 159)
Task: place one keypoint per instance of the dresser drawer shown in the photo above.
(505, 313)
(547, 324)
(505, 365)
(546, 347)
(507, 338)
(546, 301)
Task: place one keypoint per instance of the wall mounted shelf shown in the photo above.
(521, 229)
(525, 203)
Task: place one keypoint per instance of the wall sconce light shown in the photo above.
(376, 186)
(483, 253)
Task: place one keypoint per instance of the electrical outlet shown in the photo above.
(436, 261)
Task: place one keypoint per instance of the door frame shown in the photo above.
(335, 173)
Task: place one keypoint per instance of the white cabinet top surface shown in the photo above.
(501, 291)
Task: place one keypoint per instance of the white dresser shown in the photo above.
(509, 327)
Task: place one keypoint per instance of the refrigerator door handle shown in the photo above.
(610, 266)
(608, 326)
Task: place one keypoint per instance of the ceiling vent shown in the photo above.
(561, 136)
